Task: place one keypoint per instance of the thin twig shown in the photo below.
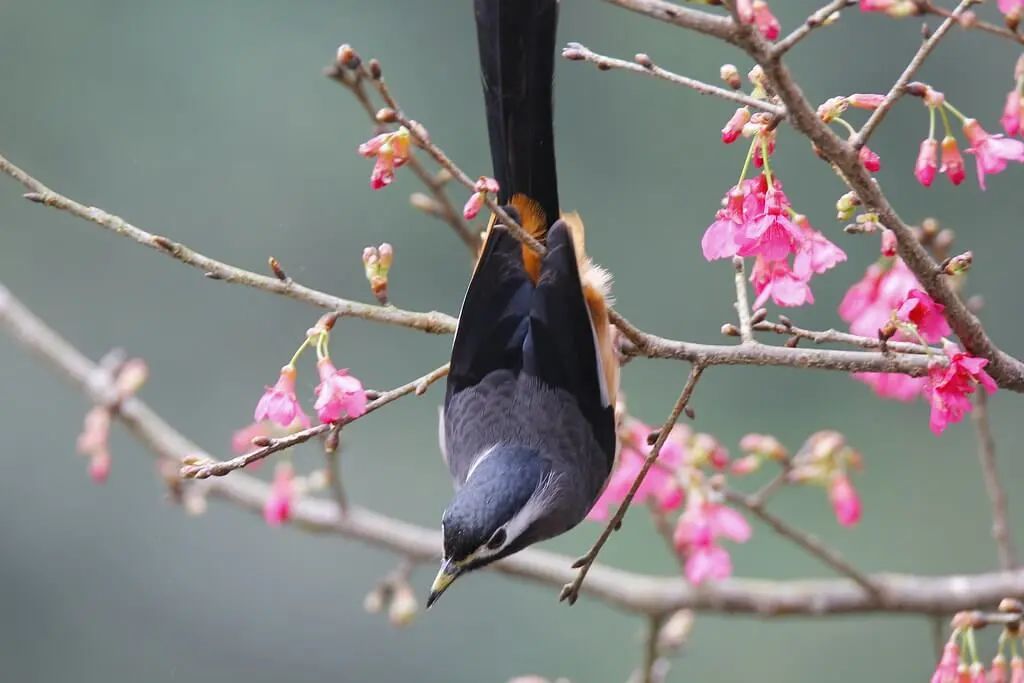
(571, 590)
(979, 25)
(899, 87)
(993, 485)
(742, 306)
(806, 541)
(334, 481)
(629, 591)
(836, 337)
(817, 19)
(651, 654)
(576, 51)
(222, 467)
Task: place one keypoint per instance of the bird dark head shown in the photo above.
(493, 513)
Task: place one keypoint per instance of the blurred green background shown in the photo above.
(210, 122)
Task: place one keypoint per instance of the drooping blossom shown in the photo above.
(734, 126)
(723, 237)
(946, 670)
(1013, 113)
(339, 394)
(772, 235)
(1016, 669)
(991, 152)
(476, 200)
(775, 280)
(925, 314)
(817, 253)
(893, 384)
(948, 388)
(765, 21)
(391, 150)
(927, 164)
(697, 537)
(277, 509)
(952, 161)
(869, 304)
(279, 402)
(660, 484)
(845, 500)
(997, 671)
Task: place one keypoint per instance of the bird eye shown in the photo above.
(497, 540)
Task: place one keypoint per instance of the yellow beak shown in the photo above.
(448, 573)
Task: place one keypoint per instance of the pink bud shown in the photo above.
(745, 465)
(99, 466)
(765, 21)
(927, 162)
(871, 161)
(845, 501)
(473, 205)
(735, 125)
(952, 160)
(278, 507)
(868, 101)
(889, 243)
(131, 378)
(997, 672)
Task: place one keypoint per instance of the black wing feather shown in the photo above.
(517, 62)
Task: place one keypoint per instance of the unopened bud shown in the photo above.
(386, 115)
(404, 605)
(261, 441)
(759, 316)
(929, 229)
(731, 76)
(847, 205)
(730, 330)
(347, 57)
(943, 242)
(887, 331)
(968, 19)
(958, 265)
(643, 60)
(373, 603)
(572, 53)
(375, 69)
(756, 76)
(276, 268)
(1013, 19)
(764, 445)
(745, 465)
(131, 378)
(1011, 606)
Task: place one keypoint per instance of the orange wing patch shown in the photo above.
(534, 222)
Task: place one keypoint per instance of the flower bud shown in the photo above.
(731, 76)
(847, 205)
(404, 606)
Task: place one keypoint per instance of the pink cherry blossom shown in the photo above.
(765, 21)
(927, 164)
(816, 254)
(890, 245)
(1013, 113)
(946, 671)
(774, 279)
(659, 485)
(845, 500)
(338, 394)
(893, 385)
(734, 126)
(696, 536)
(991, 152)
(926, 314)
(1008, 7)
(952, 161)
(1016, 669)
(894, 8)
(997, 672)
(279, 402)
(772, 235)
(391, 150)
(948, 388)
(869, 304)
(277, 509)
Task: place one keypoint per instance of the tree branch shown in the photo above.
(624, 590)
(571, 590)
(817, 19)
(997, 495)
(578, 52)
(695, 20)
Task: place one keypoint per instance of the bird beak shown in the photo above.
(448, 573)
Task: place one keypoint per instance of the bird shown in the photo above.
(528, 425)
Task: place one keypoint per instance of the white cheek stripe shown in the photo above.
(476, 463)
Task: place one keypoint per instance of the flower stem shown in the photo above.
(767, 166)
(846, 124)
(746, 162)
(931, 123)
(298, 352)
(956, 111)
(945, 122)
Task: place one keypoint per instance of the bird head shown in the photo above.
(494, 513)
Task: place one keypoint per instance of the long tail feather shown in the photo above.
(517, 61)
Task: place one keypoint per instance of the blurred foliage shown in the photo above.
(209, 122)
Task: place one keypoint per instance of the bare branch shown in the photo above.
(997, 495)
(979, 25)
(899, 87)
(222, 467)
(695, 20)
(817, 19)
(806, 541)
(575, 51)
(571, 590)
(742, 307)
(837, 337)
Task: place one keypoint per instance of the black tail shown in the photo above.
(517, 64)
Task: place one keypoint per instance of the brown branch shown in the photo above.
(577, 52)
(837, 337)
(695, 20)
(808, 542)
(628, 591)
(899, 87)
(220, 468)
(815, 20)
(993, 485)
(979, 25)
(570, 591)
(741, 305)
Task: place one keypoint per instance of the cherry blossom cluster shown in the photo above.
(680, 479)
(94, 440)
(758, 14)
(992, 152)
(960, 661)
(889, 301)
(758, 220)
